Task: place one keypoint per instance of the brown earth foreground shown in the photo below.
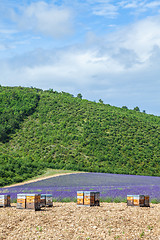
(68, 221)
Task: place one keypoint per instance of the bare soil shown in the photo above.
(68, 221)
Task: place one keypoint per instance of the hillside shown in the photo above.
(58, 130)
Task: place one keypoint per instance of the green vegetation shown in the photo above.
(15, 105)
(46, 129)
(51, 172)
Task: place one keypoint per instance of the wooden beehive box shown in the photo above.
(33, 201)
(80, 197)
(138, 200)
(8, 201)
(3, 201)
(49, 200)
(89, 198)
(96, 198)
(43, 200)
(21, 201)
(146, 201)
(130, 200)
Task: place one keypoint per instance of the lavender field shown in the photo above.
(110, 186)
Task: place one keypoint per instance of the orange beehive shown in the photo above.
(80, 197)
(3, 201)
(89, 198)
(138, 200)
(21, 201)
(33, 201)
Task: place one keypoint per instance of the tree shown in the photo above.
(137, 109)
(79, 95)
(100, 101)
(124, 107)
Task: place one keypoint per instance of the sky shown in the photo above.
(103, 49)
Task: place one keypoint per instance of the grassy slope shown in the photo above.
(69, 133)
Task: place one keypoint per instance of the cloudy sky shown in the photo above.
(103, 49)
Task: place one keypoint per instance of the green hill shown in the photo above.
(46, 129)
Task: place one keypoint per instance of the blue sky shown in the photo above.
(103, 49)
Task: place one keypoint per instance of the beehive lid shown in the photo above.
(48, 195)
(138, 195)
(32, 194)
(3, 196)
(88, 192)
(21, 195)
(43, 195)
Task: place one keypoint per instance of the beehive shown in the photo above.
(8, 201)
(146, 201)
(130, 200)
(89, 198)
(96, 198)
(33, 201)
(49, 200)
(80, 197)
(3, 201)
(43, 200)
(138, 200)
(21, 201)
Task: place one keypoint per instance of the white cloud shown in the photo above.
(140, 37)
(105, 9)
(119, 68)
(153, 4)
(140, 6)
(8, 31)
(47, 19)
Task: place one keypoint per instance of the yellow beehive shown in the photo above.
(89, 198)
(138, 200)
(130, 200)
(33, 201)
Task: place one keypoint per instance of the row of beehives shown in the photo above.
(84, 198)
(87, 198)
(138, 200)
(34, 201)
(28, 201)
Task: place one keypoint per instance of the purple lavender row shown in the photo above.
(109, 185)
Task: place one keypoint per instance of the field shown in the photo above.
(67, 221)
(112, 187)
(112, 220)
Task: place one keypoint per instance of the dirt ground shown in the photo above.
(68, 221)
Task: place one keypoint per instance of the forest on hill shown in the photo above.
(46, 129)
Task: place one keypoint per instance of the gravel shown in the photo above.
(68, 221)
